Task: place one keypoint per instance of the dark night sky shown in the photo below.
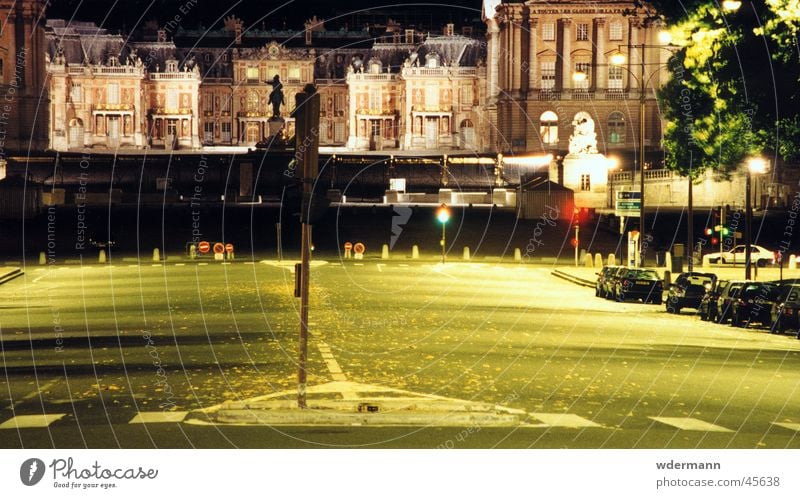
(124, 14)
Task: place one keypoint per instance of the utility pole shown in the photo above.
(307, 152)
(642, 123)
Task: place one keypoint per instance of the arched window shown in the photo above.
(548, 128)
(616, 128)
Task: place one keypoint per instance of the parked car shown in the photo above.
(785, 310)
(708, 305)
(637, 283)
(610, 283)
(688, 290)
(600, 286)
(727, 294)
(758, 255)
(753, 304)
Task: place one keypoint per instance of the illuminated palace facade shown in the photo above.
(382, 88)
(552, 59)
(514, 89)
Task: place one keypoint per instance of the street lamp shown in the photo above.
(443, 215)
(731, 5)
(619, 59)
(755, 165)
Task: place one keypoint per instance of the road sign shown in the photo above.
(359, 248)
(229, 248)
(628, 203)
(219, 248)
(203, 247)
(348, 246)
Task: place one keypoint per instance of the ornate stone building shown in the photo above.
(550, 60)
(105, 94)
(24, 100)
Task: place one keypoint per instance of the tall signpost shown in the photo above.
(307, 153)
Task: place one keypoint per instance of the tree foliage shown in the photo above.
(729, 95)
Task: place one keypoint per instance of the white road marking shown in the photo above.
(380, 267)
(31, 421)
(203, 264)
(565, 420)
(43, 388)
(690, 424)
(158, 417)
(333, 368)
(786, 425)
(180, 264)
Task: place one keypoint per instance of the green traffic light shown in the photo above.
(443, 215)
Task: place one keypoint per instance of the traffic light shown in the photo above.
(714, 241)
(709, 231)
(443, 214)
(574, 242)
(725, 231)
(576, 217)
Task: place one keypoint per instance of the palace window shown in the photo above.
(583, 32)
(76, 93)
(548, 128)
(548, 72)
(584, 68)
(615, 78)
(294, 74)
(208, 102)
(112, 96)
(172, 99)
(616, 128)
(586, 183)
(615, 31)
(549, 31)
(252, 74)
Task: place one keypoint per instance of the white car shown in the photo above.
(758, 256)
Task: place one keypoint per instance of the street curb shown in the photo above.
(573, 279)
(11, 275)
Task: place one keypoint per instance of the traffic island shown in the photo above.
(344, 403)
(9, 273)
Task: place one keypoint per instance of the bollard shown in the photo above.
(517, 254)
(583, 255)
(598, 260)
(192, 251)
(588, 260)
(230, 255)
(385, 251)
(156, 255)
(612, 259)
(706, 261)
(668, 260)
(101, 258)
(415, 252)
(667, 280)
(42, 258)
(466, 254)
(792, 262)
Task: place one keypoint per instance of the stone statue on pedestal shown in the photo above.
(276, 98)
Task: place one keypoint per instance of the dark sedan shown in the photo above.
(688, 290)
(753, 304)
(602, 285)
(728, 293)
(641, 284)
(708, 305)
(785, 310)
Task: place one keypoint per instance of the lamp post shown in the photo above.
(754, 165)
(618, 59)
(443, 215)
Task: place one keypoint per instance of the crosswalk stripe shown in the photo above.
(565, 420)
(31, 421)
(787, 425)
(690, 424)
(158, 417)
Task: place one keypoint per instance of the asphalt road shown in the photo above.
(93, 347)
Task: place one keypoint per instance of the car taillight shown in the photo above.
(626, 282)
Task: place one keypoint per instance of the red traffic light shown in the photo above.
(574, 242)
(709, 231)
(714, 241)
